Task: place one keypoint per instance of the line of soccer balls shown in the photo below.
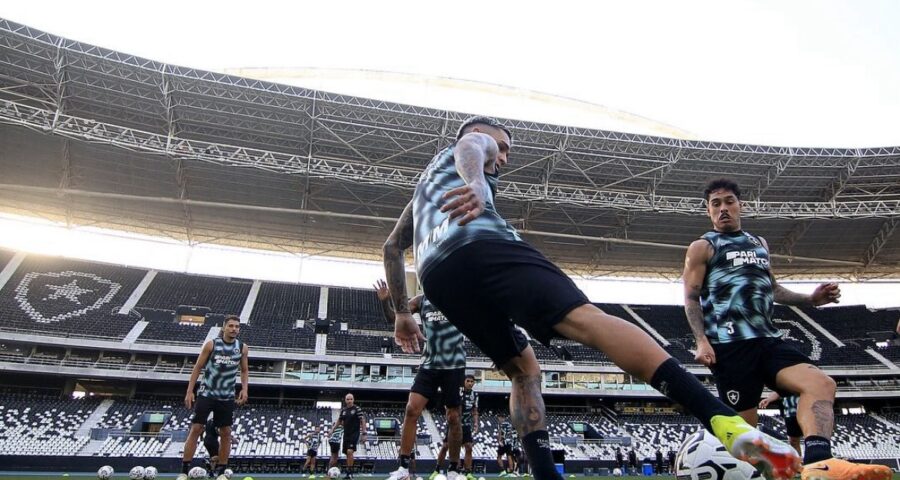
(149, 473)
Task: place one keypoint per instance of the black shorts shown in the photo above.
(487, 287)
(742, 368)
(350, 442)
(222, 411)
(793, 427)
(466, 435)
(335, 447)
(503, 450)
(450, 382)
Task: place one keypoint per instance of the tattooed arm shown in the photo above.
(406, 332)
(698, 254)
(473, 152)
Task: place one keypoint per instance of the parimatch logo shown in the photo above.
(746, 257)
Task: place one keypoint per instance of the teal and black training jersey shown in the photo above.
(336, 435)
(737, 295)
(469, 405)
(508, 434)
(435, 235)
(789, 405)
(444, 347)
(314, 442)
(220, 373)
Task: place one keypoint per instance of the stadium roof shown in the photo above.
(98, 137)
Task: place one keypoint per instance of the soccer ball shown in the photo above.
(150, 473)
(106, 472)
(136, 473)
(440, 476)
(197, 472)
(228, 473)
(334, 472)
(617, 472)
(703, 457)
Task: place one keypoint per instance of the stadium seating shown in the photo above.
(57, 296)
(854, 321)
(280, 305)
(221, 295)
(161, 326)
(5, 257)
(41, 425)
(359, 308)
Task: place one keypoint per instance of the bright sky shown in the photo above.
(799, 73)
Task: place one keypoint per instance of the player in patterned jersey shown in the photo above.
(353, 420)
(313, 440)
(469, 420)
(219, 359)
(789, 412)
(477, 270)
(506, 435)
(334, 443)
(729, 295)
(443, 369)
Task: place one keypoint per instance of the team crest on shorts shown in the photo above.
(733, 396)
(48, 297)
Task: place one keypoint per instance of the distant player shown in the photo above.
(219, 359)
(334, 443)
(789, 412)
(506, 440)
(313, 440)
(469, 420)
(441, 376)
(353, 420)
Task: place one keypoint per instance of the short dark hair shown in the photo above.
(481, 120)
(470, 376)
(229, 318)
(722, 184)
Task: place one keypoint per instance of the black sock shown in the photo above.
(537, 449)
(404, 461)
(816, 449)
(453, 467)
(673, 381)
(185, 467)
(220, 468)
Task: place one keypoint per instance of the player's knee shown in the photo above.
(827, 385)
(413, 412)
(524, 365)
(453, 416)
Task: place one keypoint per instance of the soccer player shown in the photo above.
(219, 360)
(441, 375)
(506, 439)
(789, 412)
(353, 420)
(334, 443)
(476, 269)
(469, 427)
(729, 296)
(313, 440)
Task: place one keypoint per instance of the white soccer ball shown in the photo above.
(105, 472)
(703, 457)
(136, 473)
(334, 472)
(228, 473)
(440, 476)
(617, 472)
(150, 473)
(197, 472)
